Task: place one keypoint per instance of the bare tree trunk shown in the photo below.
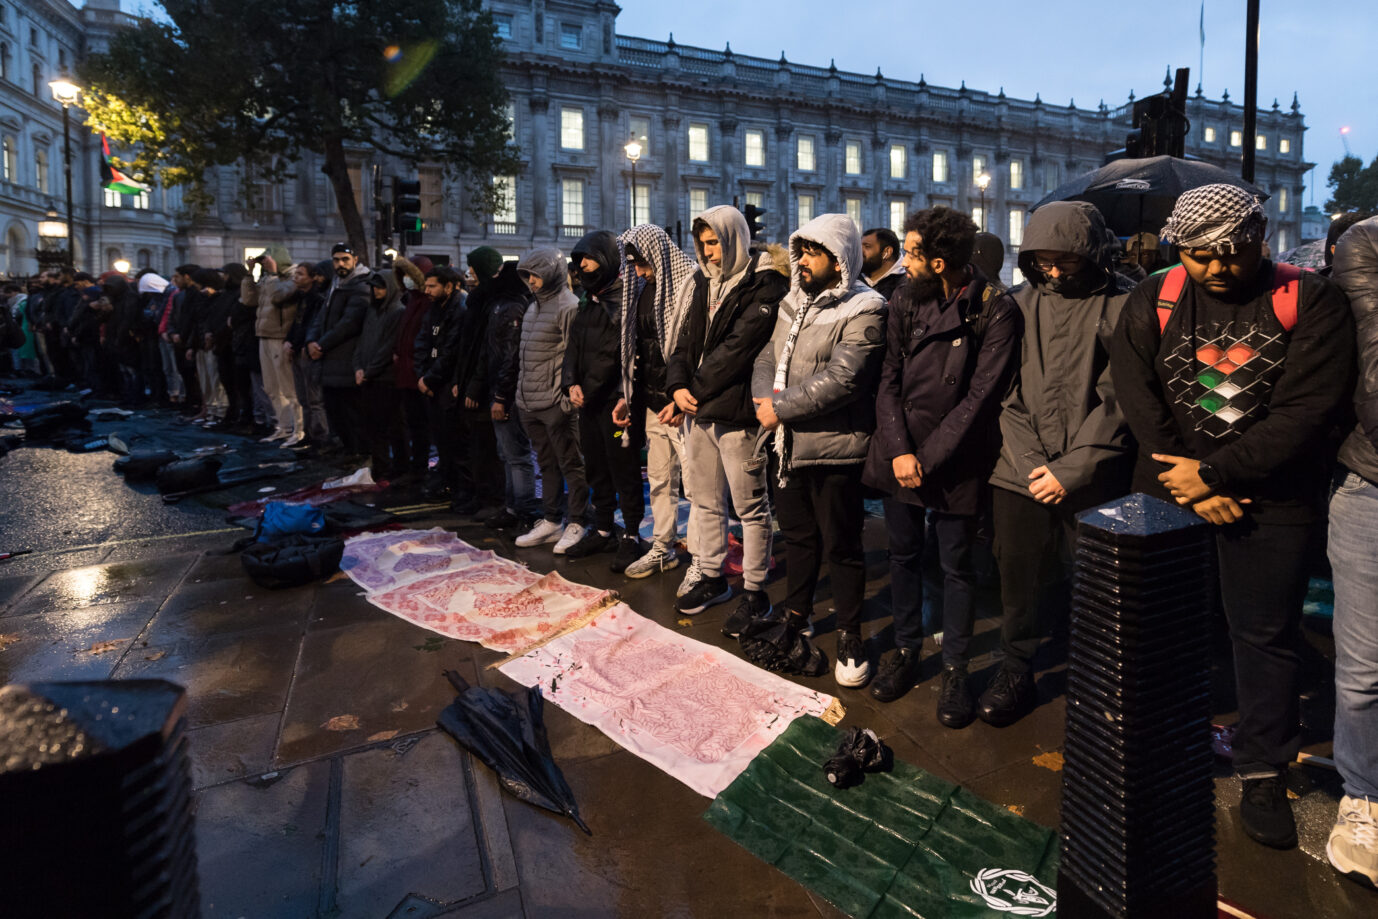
(338, 170)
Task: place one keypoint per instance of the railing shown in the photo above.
(505, 228)
(572, 230)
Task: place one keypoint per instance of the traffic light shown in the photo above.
(753, 222)
(1160, 123)
(406, 209)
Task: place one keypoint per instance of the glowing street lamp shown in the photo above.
(633, 151)
(67, 93)
(121, 265)
(983, 182)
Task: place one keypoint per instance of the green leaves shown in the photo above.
(1354, 186)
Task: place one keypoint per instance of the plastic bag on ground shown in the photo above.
(776, 645)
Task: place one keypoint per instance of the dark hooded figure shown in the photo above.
(593, 379)
(1065, 443)
(122, 334)
(506, 305)
(375, 375)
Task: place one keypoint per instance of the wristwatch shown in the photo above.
(1208, 474)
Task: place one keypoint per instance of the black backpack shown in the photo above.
(293, 560)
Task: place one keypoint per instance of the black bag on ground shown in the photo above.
(293, 560)
(186, 475)
(777, 645)
(144, 467)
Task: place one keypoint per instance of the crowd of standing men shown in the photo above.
(787, 385)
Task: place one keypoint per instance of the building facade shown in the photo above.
(713, 127)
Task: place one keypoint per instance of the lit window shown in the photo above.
(940, 170)
(139, 202)
(897, 216)
(40, 164)
(503, 24)
(9, 159)
(571, 36)
(755, 148)
(854, 211)
(899, 161)
(1236, 138)
(112, 197)
(572, 204)
(698, 202)
(978, 217)
(805, 158)
(1209, 134)
(1016, 226)
(1050, 176)
(756, 199)
(641, 204)
(1016, 173)
(640, 129)
(572, 128)
(1261, 142)
(1283, 240)
(978, 165)
(509, 112)
(805, 206)
(506, 213)
(1282, 200)
(1284, 145)
(432, 195)
(698, 143)
(853, 158)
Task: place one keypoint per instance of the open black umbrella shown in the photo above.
(1134, 195)
(507, 732)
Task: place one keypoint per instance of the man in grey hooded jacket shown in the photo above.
(1066, 444)
(814, 386)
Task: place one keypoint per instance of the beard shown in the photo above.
(871, 265)
(813, 286)
(915, 292)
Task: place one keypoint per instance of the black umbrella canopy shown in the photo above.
(1137, 195)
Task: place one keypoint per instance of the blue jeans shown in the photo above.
(956, 534)
(514, 447)
(1354, 558)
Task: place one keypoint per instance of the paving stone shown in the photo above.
(41, 563)
(83, 644)
(227, 678)
(225, 607)
(76, 588)
(13, 588)
(1031, 787)
(260, 847)
(233, 750)
(387, 675)
(407, 827)
(215, 566)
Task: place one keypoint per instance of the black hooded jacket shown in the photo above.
(503, 337)
(593, 358)
(437, 345)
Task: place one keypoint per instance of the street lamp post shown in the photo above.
(983, 182)
(633, 151)
(66, 93)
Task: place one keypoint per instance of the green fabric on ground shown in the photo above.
(900, 844)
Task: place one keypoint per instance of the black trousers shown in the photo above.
(418, 431)
(478, 450)
(441, 414)
(345, 414)
(907, 526)
(820, 513)
(612, 470)
(387, 444)
(1033, 547)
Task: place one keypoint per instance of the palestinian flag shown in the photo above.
(110, 177)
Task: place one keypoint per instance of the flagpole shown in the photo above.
(67, 163)
(1201, 67)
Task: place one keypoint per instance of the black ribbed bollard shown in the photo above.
(95, 789)
(1138, 800)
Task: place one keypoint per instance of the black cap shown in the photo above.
(341, 247)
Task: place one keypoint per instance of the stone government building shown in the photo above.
(798, 140)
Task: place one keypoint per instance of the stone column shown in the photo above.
(781, 223)
(671, 124)
(611, 159)
(539, 177)
(728, 158)
(829, 201)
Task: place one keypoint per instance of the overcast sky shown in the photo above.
(1068, 49)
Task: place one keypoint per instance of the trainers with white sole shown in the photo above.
(543, 532)
(573, 533)
(1353, 844)
(657, 559)
(853, 665)
(691, 578)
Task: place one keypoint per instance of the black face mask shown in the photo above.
(1074, 287)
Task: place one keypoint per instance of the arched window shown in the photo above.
(42, 178)
(145, 259)
(9, 159)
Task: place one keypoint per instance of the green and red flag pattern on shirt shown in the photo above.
(112, 178)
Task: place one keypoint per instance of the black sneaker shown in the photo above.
(629, 549)
(1009, 697)
(1266, 813)
(754, 604)
(503, 520)
(591, 543)
(853, 668)
(707, 592)
(956, 707)
(897, 675)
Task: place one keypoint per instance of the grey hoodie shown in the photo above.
(731, 228)
(545, 332)
(827, 401)
(1061, 411)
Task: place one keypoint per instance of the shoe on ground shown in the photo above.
(956, 705)
(897, 675)
(629, 549)
(464, 507)
(707, 592)
(853, 665)
(1353, 845)
(543, 532)
(294, 439)
(501, 520)
(691, 578)
(1009, 697)
(658, 559)
(753, 605)
(1266, 814)
(275, 436)
(570, 537)
(592, 543)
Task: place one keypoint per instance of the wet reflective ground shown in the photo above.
(324, 788)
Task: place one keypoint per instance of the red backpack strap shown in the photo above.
(1286, 293)
(1168, 295)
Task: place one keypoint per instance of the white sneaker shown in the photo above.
(655, 561)
(295, 439)
(853, 664)
(275, 436)
(1353, 845)
(543, 532)
(691, 579)
(573, 533)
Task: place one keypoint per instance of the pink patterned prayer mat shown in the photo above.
(695, 711)
(379, 561)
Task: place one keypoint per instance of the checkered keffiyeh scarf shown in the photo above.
(672, 268)
(1218, 217)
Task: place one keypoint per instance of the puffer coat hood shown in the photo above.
(549, 265)
(545, 332)
(1067, 226)
(374, 352)
(838, 234)
(728, 224)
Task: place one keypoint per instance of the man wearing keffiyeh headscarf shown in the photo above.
(653, 298)
(1232, 388)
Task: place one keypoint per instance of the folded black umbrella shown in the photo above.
(507, 732)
